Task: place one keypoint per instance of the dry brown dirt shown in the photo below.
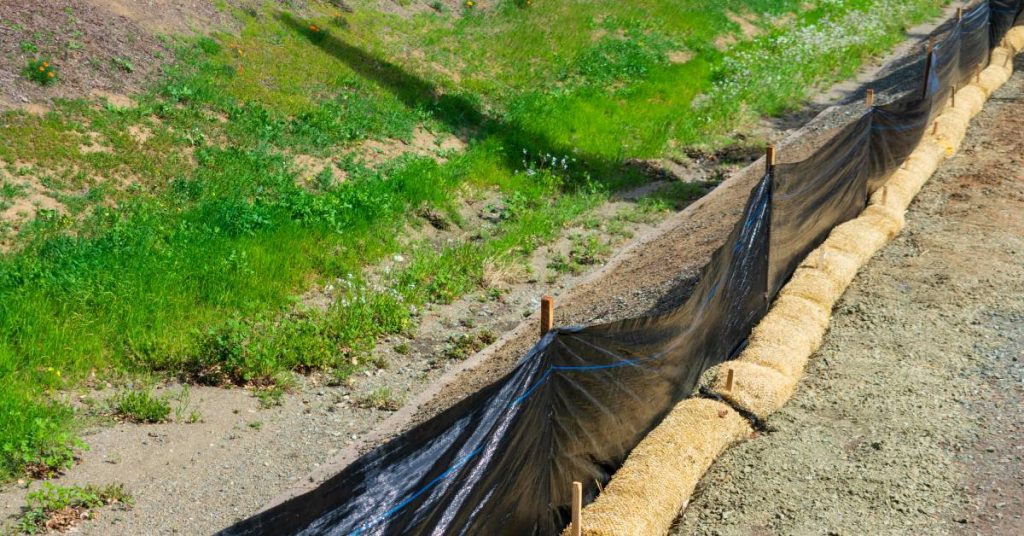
(90, 43)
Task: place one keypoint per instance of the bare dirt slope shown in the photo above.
(911, 416)
(100, 48)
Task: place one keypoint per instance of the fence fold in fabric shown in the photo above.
(814, 195)
(576, 405)
(1004, 14)
(572, 409)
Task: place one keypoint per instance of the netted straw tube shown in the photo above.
(950, 128)
(840, 266)
(791, 330)
(905, 182)
(998, 72)
(1002, 56)
(899, 191)
(767, 371)
(660, 474)
(766, 374)
(992, 78)
(1015, 39)
(760, 389)
(971, 100)
(865, 235)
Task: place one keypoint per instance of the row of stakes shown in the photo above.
(547, 303)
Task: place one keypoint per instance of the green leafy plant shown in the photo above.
(270, 397)
(124, 64)
(183, 411)
(381, 398)
(61, 508)
(141, 406)
(461, 346)
(41, 72)
(38, 441)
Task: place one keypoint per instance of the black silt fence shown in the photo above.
(501, 461)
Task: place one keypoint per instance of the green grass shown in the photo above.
(585, 250)
(462, 346)
(41, 72)
(66, 506)
(141, 406)
(381, 398)
(186, 254)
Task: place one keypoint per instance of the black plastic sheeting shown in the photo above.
(573, 408)
(812, 196)
(500, 461)
(898, 126)
(1005, 13)
(974, 44)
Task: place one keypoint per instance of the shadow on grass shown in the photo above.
(460, 113)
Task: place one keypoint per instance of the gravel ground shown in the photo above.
(910, 418)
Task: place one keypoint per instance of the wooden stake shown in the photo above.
(952, 96)
(935, 128)
(547, 314)
(928, 66)
(770, 172)
(577, 509)
(959, 14)
(728, 381)
(870, 98)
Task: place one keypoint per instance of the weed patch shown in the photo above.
(461, 346)
(141, 406)
(585, 250)
(41, 72)
(38, 439)
(60, 508)
(382, 399)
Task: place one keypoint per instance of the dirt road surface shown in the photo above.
(911, 417)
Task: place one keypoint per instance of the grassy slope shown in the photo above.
(188, 255)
